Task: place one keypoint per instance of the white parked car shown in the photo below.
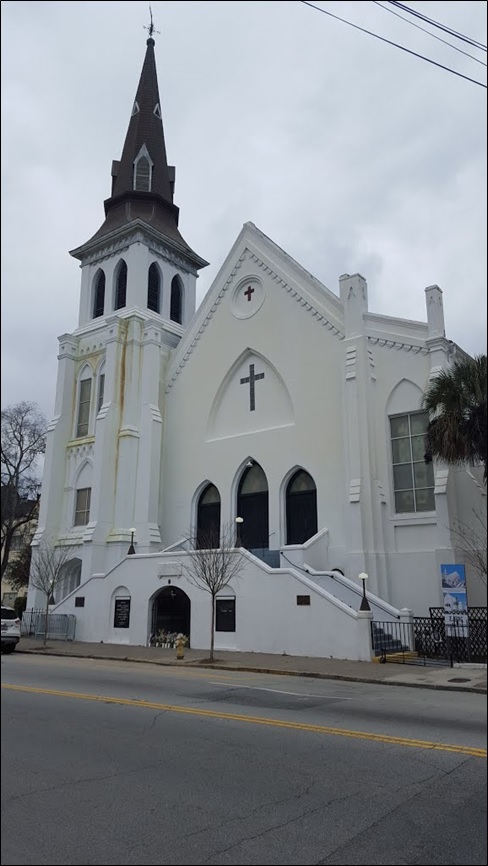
(10, 629)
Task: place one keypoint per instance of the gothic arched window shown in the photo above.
(176, 306)
(154, 288)
(121, 286)
(252, 506)
(84, 400)
(99, 294)
(301, 508)
(208, 518)
(142, 174)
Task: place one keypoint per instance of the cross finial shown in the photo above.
(151, 28)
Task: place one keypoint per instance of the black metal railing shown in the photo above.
(429, 640)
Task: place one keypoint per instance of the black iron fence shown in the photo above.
(429, 640)
(60, 626)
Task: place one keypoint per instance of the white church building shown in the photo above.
(278, 402)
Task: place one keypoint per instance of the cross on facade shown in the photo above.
(249, 291)
(251, 379)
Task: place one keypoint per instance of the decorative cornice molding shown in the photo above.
(138, 233)
(247, 254)
(310, 307)
(384, 343)
(81, 447)
(372, 366)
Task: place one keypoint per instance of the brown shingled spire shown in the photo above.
(145, 130)
(150, 200)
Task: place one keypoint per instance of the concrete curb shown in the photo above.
(257, 670)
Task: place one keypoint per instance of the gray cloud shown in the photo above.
(350, 154)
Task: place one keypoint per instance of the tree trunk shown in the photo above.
(46, 620)
(212, 636)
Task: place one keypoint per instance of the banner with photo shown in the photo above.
(455, 599)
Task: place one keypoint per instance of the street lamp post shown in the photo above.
(131, 548)
(364, 601)
(239, 522)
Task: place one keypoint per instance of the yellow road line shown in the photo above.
(258, 720)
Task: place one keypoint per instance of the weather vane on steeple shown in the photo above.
(151, 29)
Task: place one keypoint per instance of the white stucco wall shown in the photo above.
(268, 618)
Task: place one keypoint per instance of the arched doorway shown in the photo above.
(171, 612)
(208, 517)
(301, 508)
(252, 506)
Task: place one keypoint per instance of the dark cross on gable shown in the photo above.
(249, 292)
(251, 379)
(151, 29)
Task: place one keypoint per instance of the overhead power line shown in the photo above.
(440, 26)
(395, 44)
(424, 30)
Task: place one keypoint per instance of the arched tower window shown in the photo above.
(154, 288)
(301, 508)
(176, 306)
(84, 399)
(208, 518)
(252, 506)
(121, 286)
(99, 294)
(142, 174)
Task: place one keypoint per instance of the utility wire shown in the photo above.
(395, 44)
(424, 30)
(440, 26)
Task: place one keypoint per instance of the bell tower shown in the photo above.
(138, 259)
(102, 472)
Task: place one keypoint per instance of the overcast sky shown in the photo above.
(350, 154)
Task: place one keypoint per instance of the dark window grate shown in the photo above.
(99, 300)
(153, 288)
(176, 301)
(121, 292)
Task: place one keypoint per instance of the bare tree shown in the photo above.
(471, 540)
(212, 568)
(49, 567)
(23, 442)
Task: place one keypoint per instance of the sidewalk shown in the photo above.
(464, 678)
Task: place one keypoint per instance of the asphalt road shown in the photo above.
(118, 763)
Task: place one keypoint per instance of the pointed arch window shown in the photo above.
(121, 286)
(301, 508)
(176, 305)
(208, 518)
(154, 288)
(142, 175)
(84, 398)
(99, 295)
(252, 506)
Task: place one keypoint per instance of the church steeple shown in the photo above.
(142, 181)
(145, 140)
